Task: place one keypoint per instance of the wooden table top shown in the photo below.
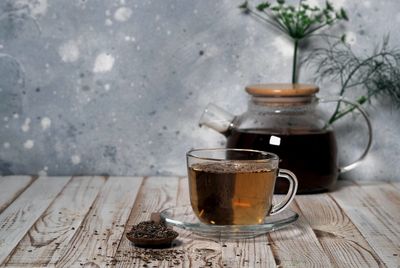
(82, 221)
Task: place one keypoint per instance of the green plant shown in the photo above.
(297, 22)
(376, 74)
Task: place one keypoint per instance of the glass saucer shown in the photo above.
(183, 217)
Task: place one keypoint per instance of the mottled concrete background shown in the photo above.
(117, 86)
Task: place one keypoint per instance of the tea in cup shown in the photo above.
(235, 186)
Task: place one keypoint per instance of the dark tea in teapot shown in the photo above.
(310, 155)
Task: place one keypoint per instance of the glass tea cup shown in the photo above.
(235, 186)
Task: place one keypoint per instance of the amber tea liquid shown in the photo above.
(231, 193)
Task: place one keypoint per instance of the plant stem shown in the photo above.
(360, 101)
(294, 68)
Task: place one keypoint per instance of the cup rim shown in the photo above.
(264, 153)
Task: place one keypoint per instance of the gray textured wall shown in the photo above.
(117, 86)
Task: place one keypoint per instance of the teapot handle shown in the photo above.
(364, 114)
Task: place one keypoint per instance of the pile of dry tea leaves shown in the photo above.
(152, 230)
(153, 233)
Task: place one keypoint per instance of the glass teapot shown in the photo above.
(285, 119)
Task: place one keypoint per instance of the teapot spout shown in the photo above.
(217, 118)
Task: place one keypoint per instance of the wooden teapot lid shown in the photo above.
(282, 89)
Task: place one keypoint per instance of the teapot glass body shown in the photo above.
(284, 119)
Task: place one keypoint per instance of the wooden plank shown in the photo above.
(395, 184)
(251, 252)
(385, 196)
(375, 212)
(96, 240)
(338, 236)
(51, 235)
(298, 245)
(17, 218)
(156, 194)
(11, 187)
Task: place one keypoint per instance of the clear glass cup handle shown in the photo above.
(364, 114)
(284, 173)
